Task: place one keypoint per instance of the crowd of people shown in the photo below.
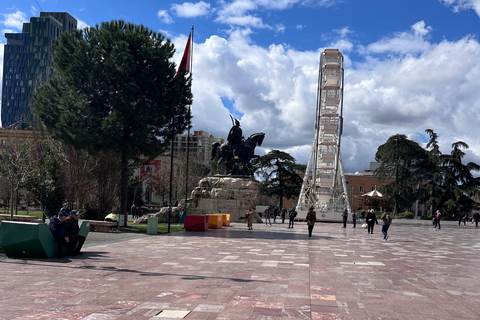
(368, 218)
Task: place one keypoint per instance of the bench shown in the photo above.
(23, 218)
(31, 239)
(101, 226)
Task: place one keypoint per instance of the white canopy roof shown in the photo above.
(373, 193)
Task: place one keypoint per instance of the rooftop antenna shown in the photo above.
(39, 5)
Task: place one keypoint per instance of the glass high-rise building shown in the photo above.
(28, 63)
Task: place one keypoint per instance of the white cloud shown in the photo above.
(14, 20)
(279, 28)
(274, 88)
(164, 17)
(405, 42)
(190, 10)
(459, 5)
(81, 24)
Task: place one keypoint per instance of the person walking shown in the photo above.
(475, 218)
(354, 219)
(438, 216)
(250, 215)
(387, 221)
(182, 217)
(133, 210)
(283, 213)
(345, 217)
(291, 216)
(275, 214)
(311, 218)
(371, 220)
(267, 216)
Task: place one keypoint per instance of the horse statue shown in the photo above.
(245, 152)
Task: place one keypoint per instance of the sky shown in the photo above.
(409, 65)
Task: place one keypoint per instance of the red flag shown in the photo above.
(187, 56)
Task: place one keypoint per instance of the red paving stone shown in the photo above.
(272, 272)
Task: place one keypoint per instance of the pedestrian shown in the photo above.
(354, 218)
(182, 217)
(249, 216)
(345, 217)
(133, 210)
(465, 219)
(291, 217)
(476, 217)
(459, 218)
(267, 215)
(76, 240)
(363, 215)
(59, 231)
(311, 218)
(65, 208)
(371, 220)
(387, 221)
(283, 214)
(275, 214)
(438, 215)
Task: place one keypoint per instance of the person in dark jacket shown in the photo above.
(371, 220)
(60, 233)
(345, 217)
(475, 218)
(291, 217)
(311, 218)
(76, 240)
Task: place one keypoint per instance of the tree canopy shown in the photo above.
(440, 181)
(278, 170)
(401, 159)
(115, 90)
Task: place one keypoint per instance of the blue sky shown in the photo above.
(409, 65)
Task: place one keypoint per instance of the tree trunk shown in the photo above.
(124, 188)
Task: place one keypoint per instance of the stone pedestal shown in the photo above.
(223, 194)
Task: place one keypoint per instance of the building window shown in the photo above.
(374, 187)
(361, 189)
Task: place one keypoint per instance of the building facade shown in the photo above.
(28, 63)
(361, 183)
(200, 145)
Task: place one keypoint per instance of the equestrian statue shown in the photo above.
(235, 155)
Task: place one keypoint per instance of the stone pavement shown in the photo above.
(271, 272)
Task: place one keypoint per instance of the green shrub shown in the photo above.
(408, 215)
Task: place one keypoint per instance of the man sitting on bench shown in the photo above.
(59, 231)
(76, 240)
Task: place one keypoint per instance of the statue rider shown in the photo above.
(235, 138)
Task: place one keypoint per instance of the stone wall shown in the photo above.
(223, 194)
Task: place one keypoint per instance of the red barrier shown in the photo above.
(196, 223)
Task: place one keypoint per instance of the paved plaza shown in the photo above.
(271, 272)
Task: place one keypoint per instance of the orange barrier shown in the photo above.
(215, 221)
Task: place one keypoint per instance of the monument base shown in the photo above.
(224, 194)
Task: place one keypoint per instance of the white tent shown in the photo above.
(373, 193)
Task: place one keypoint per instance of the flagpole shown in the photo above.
(183, 65)
(188, 132)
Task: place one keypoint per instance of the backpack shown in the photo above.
(388, 219)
